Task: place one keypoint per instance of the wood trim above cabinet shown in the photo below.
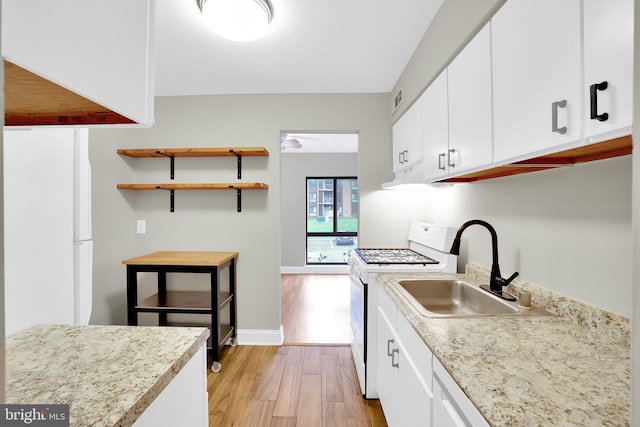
(602, 150)
(31, 100)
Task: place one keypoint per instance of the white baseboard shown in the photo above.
(316, 269)
(260, 336)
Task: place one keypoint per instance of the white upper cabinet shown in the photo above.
(456, 113)
(608, 68)
(537, 91)
(435, 128)
(103, 51)
(470, 117)
(407, 139)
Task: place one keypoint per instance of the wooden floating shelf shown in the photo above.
(602, 150)
(172, 153)
(194, 152)
(212, 186)
(239, 186)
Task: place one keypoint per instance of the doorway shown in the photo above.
(314, 296)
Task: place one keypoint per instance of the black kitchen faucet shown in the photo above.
(496, 282)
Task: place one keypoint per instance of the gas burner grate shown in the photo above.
(393, 256)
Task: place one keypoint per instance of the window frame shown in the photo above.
(334, 206)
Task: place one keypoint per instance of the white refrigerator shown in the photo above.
(47, 209)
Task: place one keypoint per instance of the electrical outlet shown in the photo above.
(141, 226)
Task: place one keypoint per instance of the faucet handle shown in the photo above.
(506, 282)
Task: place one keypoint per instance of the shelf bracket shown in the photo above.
(171, 197)
(172, 164)
(239, 157)
(239, 197)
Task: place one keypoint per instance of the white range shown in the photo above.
(428, 252)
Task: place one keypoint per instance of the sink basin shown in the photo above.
(460, 298)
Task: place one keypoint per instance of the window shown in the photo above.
(332, 219)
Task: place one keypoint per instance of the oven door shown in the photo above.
(358, 308)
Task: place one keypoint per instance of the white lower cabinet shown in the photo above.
(451, 407)
(404, 385)
(405, 397)
(184, 400)
(414, 388)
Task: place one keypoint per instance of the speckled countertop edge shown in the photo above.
(572, 369)
(108, 375)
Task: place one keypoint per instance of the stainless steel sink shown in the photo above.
(460, 298)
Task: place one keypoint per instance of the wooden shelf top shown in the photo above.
(183, 300)
(203, 186)
(183, 258)
(194, 152)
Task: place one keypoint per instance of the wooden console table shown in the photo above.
(193, 302)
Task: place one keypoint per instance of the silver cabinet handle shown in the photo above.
(400, 155)
(393, 359)
(554, 116)
(451, 161)
(389, 352)
(406, 156)
(441, 161)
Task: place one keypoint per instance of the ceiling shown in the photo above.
(328, 46)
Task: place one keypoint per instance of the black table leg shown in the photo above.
(132, 295)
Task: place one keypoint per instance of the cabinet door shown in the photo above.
(608, 57)
(404, 396)
(470, 117)
(101, 50)
(407, 138)
(435, 128)
(387, 373)
(415, 397)
(536, 47)
(445, 412)
(451, 407)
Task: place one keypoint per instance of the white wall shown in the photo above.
(567, 229)
(207, 220)
(635, 330)
(294, 169)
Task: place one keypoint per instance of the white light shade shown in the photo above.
(237, 20)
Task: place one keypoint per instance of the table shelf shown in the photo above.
(166, 302)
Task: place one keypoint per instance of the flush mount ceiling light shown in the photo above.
(237, 20)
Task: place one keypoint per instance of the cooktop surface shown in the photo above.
(393, 256)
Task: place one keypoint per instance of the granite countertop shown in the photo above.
(108, 374)
(572, 369)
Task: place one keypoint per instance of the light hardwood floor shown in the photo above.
(312, 384)
(315, 308)
(304, 386)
